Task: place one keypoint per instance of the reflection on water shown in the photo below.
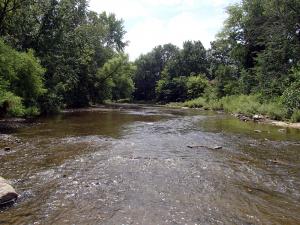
(132, 166)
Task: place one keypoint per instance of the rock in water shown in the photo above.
(257, 117)
(7, 192)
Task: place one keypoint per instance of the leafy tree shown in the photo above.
(114, 80)
(191, 59)
(21, 79)
(174, 90)
(149, 70)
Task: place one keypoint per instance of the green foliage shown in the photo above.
(50, 103)
(72, 43)
(114, 79)
(196, 86)
(21, 78)
(296, 116)
(174, 90)
(32, 111)
(196, 103)
(29, 82)
(247, 105)
(11, 104)
(274, 109)
(243, 104)
(226, 80)
(291, 96)
(149, 70)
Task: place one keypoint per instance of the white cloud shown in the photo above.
(153, 22)
(127, 9)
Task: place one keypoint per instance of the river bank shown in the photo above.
(245, 108)
(266, 120)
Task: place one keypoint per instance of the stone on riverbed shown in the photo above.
(7, 193)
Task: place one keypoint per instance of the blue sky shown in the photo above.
(153, 22)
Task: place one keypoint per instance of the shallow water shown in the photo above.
(133, 166)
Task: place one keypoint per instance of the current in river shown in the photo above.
(148, 165)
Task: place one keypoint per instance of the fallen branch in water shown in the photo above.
(203, 146)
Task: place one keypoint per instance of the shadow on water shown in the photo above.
(131, 165)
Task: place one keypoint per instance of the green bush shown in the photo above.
(12, 103)
(245, 104)
(295, 116)
(274, 109)
(32, 111)
(196, 103)
(196, 86)
(291, 97)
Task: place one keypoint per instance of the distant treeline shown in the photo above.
(57, 53)
(257, 54)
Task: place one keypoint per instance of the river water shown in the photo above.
(133, 165)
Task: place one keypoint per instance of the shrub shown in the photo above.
(196, 86)
(12, 104)
(296, 116)
(31, 111)
(196, 103)
(291, 97)
(245, 104)
(275, 110)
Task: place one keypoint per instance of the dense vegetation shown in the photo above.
(253, 66)
(57, 54)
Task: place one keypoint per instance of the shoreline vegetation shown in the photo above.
(243, 107)
(72, 57)
(243, 117)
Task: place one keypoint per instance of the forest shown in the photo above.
(57, 54)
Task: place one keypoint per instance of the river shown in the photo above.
(132, 165)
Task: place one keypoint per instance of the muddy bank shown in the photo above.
(11, 125)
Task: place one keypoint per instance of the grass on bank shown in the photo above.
(248, 105)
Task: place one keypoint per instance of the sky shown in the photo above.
(156, 22)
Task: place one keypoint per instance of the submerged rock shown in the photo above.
(8, 194)
(7, 149)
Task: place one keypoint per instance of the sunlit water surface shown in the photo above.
(134, 166)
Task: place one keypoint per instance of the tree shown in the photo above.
(114, 79)
(149, 70)
(21, 79)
